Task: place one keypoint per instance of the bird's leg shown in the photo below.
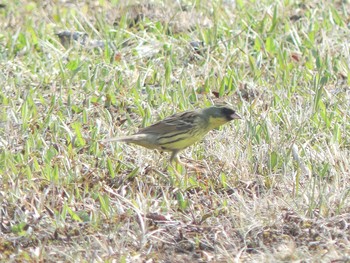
(175, 157)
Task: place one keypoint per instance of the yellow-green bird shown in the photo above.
(180, 130)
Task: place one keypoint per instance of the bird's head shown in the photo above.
(219, 115)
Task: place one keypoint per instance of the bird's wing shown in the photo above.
(176, 122)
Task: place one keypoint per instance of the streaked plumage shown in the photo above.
(180, 130)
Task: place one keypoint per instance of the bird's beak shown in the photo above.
(235, 116)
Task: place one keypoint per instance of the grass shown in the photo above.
(273, 187)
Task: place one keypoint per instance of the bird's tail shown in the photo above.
(128, 139)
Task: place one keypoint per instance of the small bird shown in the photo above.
(180, 130)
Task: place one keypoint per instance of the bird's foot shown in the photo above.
(198, 166)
